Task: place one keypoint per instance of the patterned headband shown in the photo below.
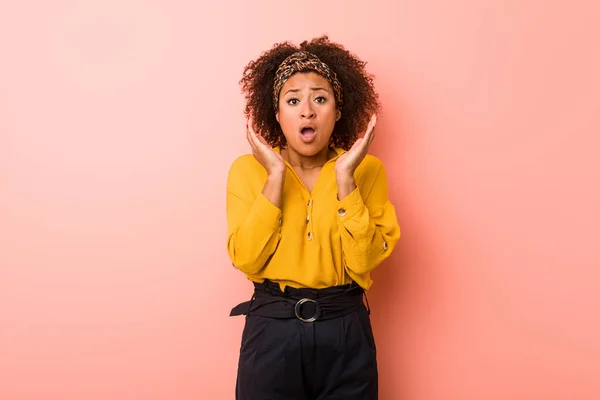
(302, 61)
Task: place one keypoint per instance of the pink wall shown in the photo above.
(119, 120)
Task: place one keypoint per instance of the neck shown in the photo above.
(307, 162)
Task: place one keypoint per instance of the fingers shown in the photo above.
(250, 134)
(257, 139)
(258, 143)
(250, 125)
(370, 134)
(263, 140)
(368, 137)
(251, 137)
(357, 144)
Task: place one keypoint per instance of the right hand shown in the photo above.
(264, 154)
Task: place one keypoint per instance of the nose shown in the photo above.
(307, 110)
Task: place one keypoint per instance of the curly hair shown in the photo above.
(360, 98)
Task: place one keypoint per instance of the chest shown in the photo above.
(308, 178)
(310, 203)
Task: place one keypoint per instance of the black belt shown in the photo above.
(307, 305)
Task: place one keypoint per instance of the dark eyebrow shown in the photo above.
(312, 88)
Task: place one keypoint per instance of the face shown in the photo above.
(307, 113)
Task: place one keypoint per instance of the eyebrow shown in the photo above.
(312, 88)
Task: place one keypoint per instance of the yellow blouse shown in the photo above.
(315, 240)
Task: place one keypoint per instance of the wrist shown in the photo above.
(345, 186)
(344, 176)
(276, 176)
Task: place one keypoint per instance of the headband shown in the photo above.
(302, 61)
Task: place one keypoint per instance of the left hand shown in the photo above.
(347, 163)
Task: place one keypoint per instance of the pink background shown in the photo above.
(119, 120)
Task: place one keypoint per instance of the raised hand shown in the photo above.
(264, 154)
(347, 163)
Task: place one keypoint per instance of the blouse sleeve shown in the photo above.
(254, 224)
(369, 227)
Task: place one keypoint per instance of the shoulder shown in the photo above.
(370, 166)
(245, 172)
(372, 162)
(370, 173)
(244, 162)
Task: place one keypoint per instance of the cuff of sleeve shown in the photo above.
(350, 205)
(268, 212)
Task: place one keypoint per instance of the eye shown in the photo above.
(292, 102)
(320, 99)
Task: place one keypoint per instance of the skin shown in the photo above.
(307, 98)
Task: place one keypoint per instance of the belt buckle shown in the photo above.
(297, 310)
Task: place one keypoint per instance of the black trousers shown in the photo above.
(283, 357)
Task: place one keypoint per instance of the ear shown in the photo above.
(338, 115)
(277, 116)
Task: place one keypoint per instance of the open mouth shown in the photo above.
(308, 134)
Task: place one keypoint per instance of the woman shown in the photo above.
(309, 218)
